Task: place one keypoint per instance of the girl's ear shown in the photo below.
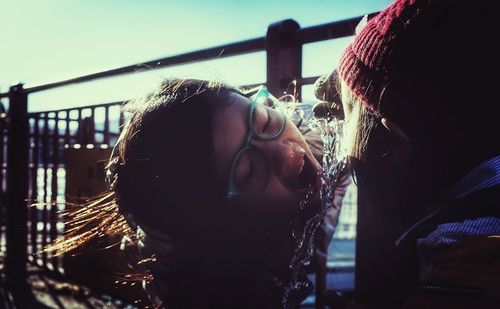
(400, 143)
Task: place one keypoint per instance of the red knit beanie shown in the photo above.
(417, 37)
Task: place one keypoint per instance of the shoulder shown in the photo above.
(465, 275)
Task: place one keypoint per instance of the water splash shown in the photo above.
(334, 162)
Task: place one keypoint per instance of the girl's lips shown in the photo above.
(308, 175)
(305, 170)
(295, 162)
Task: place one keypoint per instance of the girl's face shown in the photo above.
(290, 165)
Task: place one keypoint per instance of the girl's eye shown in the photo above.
(251, 172)
(261, 118)
(248, 174)
(268, 102)
(268, 123)
(243, 171)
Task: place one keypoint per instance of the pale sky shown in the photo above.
(54, 39)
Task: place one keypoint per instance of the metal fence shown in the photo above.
(3, 182)
(32, 167)
(51, 133)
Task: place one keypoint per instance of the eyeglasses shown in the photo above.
(266, 121)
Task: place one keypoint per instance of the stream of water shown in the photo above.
(333, 163)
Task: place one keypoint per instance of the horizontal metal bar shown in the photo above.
(307, 80)
(303, 81)
(340, 269)
(36, 114)
(243, 47)
(317, 33)
(333, 30)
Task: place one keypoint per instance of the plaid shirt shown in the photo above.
(486, 175)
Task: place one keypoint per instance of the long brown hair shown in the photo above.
(154, 121)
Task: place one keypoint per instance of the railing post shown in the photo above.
(17, 186)
(284, 58)
(284, 69)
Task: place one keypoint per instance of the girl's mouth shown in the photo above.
(308, 176)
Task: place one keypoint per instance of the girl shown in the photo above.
(419, 89)
(208, 181)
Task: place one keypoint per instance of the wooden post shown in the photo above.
(284, 58)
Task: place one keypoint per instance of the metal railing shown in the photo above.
(50, 134)
(3, 182)
(31, 164)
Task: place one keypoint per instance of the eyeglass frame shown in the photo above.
(233, 190)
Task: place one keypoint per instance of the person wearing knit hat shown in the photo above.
(419, 89)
